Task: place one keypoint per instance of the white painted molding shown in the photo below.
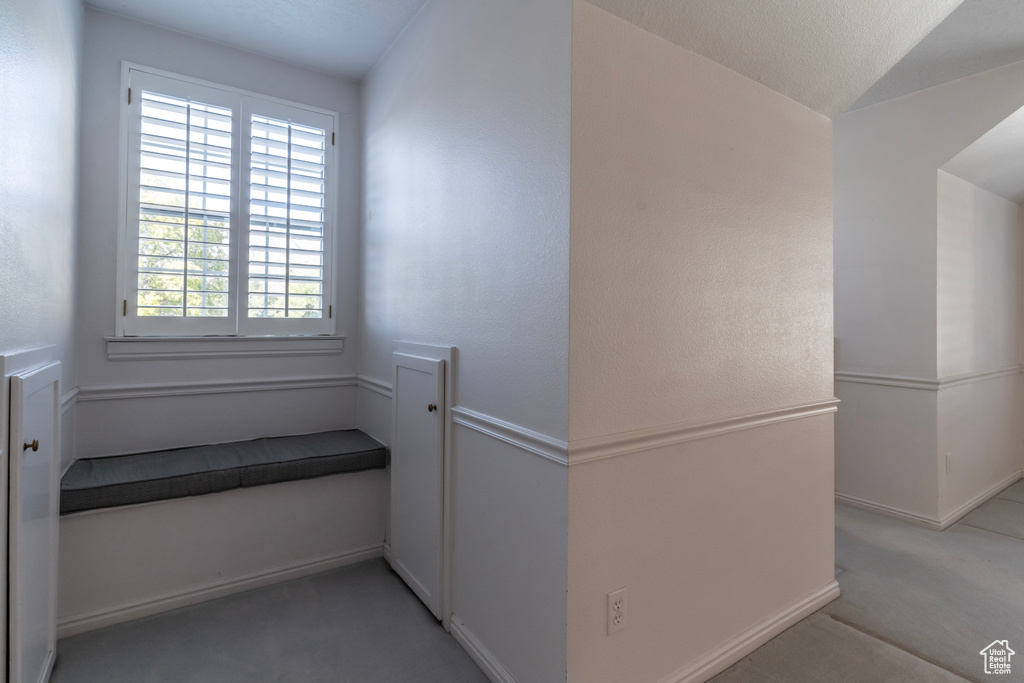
(889, 511)
(80, 623)
(375, 385)
(923, 383)
(935, 524)
(957, 380)
(68, 400)
(491, 667)
(599, 448)
(115, 392)
(754, 637)
(526, 439)
(169, 348)
(961, 510)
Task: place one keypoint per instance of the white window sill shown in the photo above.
(171, 348)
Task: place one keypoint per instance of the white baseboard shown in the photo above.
(754, 637)
(889, 511)
(491, 667)
(940, 524)
(80, 623)
(989, 493)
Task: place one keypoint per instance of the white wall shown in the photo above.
(927, 299)
(701, 284)
(124, 563)
(40, 55)
(466, 244)
(124, 420)
(978, 283)
(979, 300)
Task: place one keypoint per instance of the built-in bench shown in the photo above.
(95, 483)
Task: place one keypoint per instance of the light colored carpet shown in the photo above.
(822, 650)
(999, 515)
(1015, 492)
(943, 595)
(356, 624)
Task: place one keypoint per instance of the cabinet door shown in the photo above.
(34, 480)
(417, 476)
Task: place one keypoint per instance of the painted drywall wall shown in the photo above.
(978, 283)
(466, 203)
(40, 55)
(886, 158)
(701, 286)
(886, 449)
(466, 244)
(123, 563)
(979, 306)
(109, 39)
(927, 291)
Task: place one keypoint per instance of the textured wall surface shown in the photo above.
(466, 204)
(466, 244)
(701, 251)
(40, 42)
(927, 288)
(701, 288)
(979, 284)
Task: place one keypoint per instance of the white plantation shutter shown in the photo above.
(184, 207)
(287, 203)
(229, 212)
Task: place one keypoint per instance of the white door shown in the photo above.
(417, 476)
(34, 439)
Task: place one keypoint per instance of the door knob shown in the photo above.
(431, 407)
(34, 445)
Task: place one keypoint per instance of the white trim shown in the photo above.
(168, 348)
(926, 384)
(991, 492)
(553, 449)
(375, 385)
(889, 511)
(487, 662)
(599, 448)
(115, 392)
(68, 400)
(940, 524)
(80, 623)
(754, 637)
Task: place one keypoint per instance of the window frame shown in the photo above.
(242, 103)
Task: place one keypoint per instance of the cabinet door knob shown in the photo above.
(431, 407)
(34, 445)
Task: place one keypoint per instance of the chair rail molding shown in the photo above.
(925, 383)
(116, 392)
(624, 443)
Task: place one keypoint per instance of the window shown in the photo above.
(229, 215)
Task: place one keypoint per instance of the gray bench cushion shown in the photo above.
(144, 477)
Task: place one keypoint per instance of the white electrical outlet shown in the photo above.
(617, 610)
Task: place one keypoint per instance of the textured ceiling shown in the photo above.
(340, 37)
(821, 53)
(995, 161)
(978, 36)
